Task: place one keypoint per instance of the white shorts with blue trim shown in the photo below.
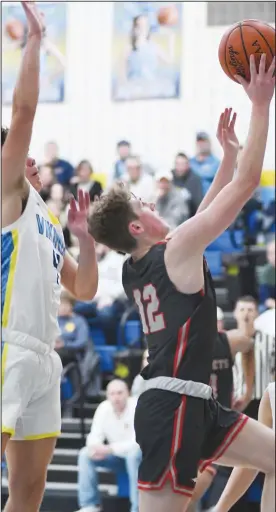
(30, 393)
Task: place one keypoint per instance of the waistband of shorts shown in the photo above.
(183, 387)
(26, 341)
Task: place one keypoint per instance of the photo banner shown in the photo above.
(146, 50)
(53, 50)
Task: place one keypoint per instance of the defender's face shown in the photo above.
(32, 174)
(149, 221)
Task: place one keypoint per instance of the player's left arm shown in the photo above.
(241, 478)
(81, 279)
(229, 142)
(240, 342)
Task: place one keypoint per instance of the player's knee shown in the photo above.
(27, 488)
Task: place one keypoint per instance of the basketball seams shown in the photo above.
(267, 43)
(225, 54)
(243, 45)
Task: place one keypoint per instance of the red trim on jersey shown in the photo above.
(227, 441)
(202, 292)
(182, 340)
(162, 242)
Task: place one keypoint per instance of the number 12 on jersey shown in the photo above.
(148, 305)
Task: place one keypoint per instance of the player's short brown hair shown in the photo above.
(110, 218)
(4, 133)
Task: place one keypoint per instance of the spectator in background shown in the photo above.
(74, 332)
(109, 302)
(47, 178)
(204, 163)
(220, 320)
(113, 422)
(245, 313)
(267, 291)
(63, 170)
(186, 179)
(138, 385)
(84, 180)
(170, 202)
(141, 184)
(123, 150)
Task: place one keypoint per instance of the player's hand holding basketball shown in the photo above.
(261, 87)
(35, 19)
(226, 133)
(77, 215)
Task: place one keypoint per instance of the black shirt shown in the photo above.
(180, 329)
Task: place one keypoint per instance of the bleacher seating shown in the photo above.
(214, 260)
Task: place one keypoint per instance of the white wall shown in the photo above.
(89, 124)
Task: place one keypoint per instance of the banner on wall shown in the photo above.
(146, 50)
(52, 62)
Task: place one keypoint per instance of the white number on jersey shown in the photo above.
(56, 260)
(148, 305)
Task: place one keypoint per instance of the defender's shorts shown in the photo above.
(179, 435)
(30, 393)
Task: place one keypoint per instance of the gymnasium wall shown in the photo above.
(88, 124)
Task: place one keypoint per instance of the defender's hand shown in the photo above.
(77, 215)
(261, 87)
(226, 133)
(34, 18)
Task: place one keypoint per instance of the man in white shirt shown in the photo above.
(138, 181)
(113, 422)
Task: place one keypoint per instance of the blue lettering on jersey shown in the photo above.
(47, 229)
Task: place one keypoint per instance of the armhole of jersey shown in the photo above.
(200, 293)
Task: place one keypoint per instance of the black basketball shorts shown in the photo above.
(179, 435)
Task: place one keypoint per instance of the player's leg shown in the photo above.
(16, 388)
(35, 438)
(254, 447)
(27, 467)
(4, 441)
(163, 500)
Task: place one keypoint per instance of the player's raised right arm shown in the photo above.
(185, 249)
(25, 99)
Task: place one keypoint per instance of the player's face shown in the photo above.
(246, 312)
(149, 224)
(32, 174)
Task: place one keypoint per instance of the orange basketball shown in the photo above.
(168, 15)
(240, 41)
(14, 29)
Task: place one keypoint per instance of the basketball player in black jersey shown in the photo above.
(179, 425)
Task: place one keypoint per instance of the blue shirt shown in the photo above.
(74, 331)
(206, 168)
(63, 170)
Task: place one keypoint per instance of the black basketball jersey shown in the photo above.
(222, 371)
(180, 329)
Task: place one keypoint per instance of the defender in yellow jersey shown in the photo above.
(34, 265)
